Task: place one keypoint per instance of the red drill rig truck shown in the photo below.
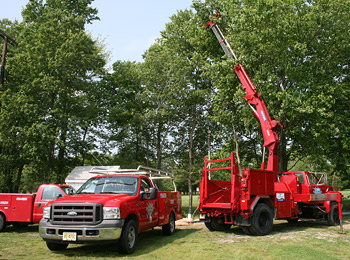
(253, 199)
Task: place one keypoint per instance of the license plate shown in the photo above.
(69, 236)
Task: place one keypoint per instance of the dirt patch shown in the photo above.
(33, 235)
(185, 223)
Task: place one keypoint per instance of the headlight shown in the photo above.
(46, 212)
(111, 213)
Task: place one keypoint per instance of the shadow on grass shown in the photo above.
(281, 227)
(28, 229)
(147, 242)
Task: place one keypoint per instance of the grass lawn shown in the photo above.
(303, 240)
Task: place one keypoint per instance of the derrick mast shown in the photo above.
(268, 126)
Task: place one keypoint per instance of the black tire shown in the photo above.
(169, 228)
(128, 237)
(247, 230)
(262, 220)
(218, 224)
(332, 216)
(2, 222)
(56, 246)
(208, 225)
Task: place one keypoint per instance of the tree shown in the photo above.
(125, 115)
(49, 107)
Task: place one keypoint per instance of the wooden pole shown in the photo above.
(4, 52)
(3, 61)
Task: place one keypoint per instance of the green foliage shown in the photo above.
(48, 106)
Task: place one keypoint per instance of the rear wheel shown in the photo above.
(169, 228)
(332, 216)
(246, 230)
(262, 220)
(2, 222)
(208, 225)
(218, 224)
(128, 238)
(56, 246)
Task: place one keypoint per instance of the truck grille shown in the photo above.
(76, 213)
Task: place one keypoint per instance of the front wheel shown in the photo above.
(332, 216)
(56, 246)
(169, 228)
(2, 222)
(128, 238)
(262, 220)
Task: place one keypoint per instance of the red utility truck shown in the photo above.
(113, 206)
(253, 199)
(23, 209)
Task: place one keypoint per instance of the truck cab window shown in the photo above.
(300, 177)
(51, 193)
(145, 185)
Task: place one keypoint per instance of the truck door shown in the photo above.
(48, 193)
(147, 208)
(22, 207)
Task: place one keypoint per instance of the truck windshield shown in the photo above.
(110, 185)
(317, 178)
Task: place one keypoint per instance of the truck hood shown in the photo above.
(94, 198)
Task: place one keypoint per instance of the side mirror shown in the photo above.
(143, 195)
(153, 194)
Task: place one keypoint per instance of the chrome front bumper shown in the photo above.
(106, 230)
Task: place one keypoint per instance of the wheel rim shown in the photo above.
(172, 223)
(131, 236)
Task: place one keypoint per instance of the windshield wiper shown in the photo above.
(106, 192)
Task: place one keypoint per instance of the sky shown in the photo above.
(126, 28)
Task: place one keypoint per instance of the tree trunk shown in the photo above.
(283, 156)
(159, 147)
(19, 176)
(61, 155)
(49, 162)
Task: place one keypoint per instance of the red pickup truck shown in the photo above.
(114, 207)
(23, 209)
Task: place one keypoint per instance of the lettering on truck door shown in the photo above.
(148, 209)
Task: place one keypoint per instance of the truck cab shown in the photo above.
(310, 195)
(112, 207)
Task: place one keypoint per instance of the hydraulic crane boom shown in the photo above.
(268, 126)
